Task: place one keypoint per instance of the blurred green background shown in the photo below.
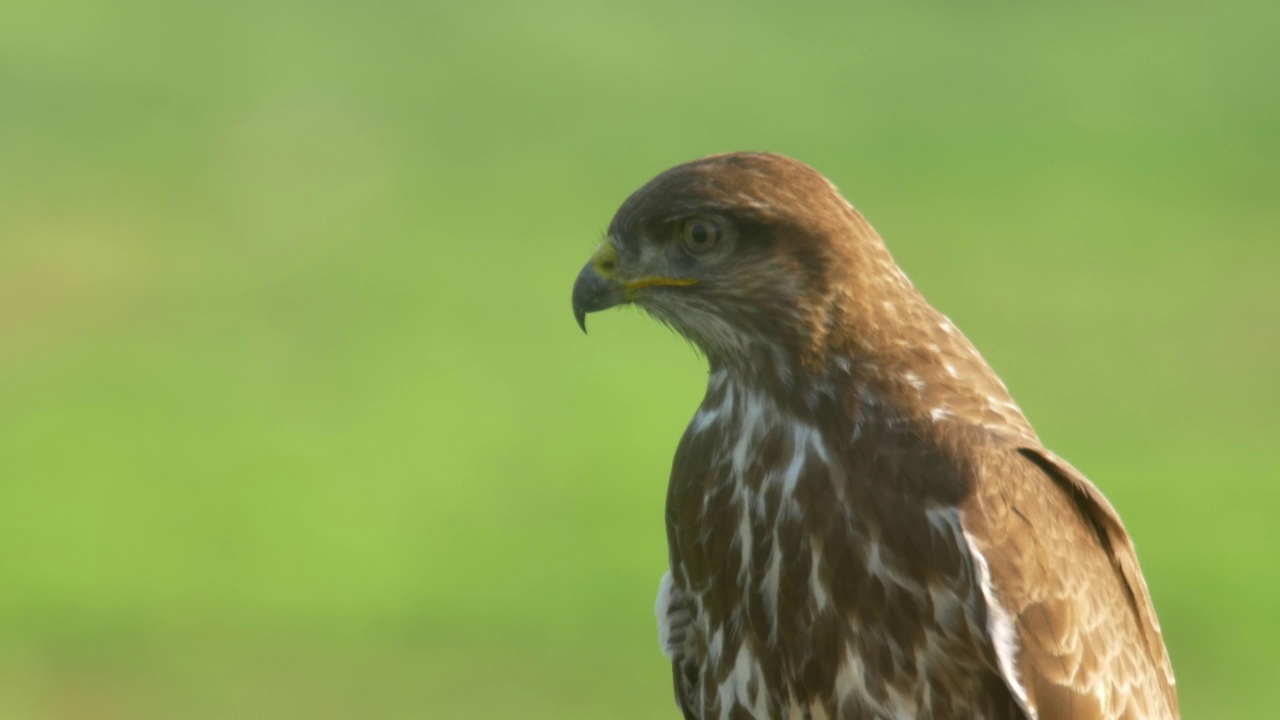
(295, 420)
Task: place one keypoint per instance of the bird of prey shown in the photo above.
(860, 521)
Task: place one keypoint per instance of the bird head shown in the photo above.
(747, 255)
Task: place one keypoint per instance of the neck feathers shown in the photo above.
(873, 342)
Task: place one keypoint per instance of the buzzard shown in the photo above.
(860, 521)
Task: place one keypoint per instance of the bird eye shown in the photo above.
(700, 236)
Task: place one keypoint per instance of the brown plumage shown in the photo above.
(861, 522)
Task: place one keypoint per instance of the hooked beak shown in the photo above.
(593, 291)
(598, 286)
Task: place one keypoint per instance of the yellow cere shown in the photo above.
(605, 260)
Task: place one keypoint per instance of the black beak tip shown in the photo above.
(581, 316)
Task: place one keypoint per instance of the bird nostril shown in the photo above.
(607, 266)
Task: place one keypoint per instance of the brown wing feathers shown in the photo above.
(1116, 542)
(1064, 568)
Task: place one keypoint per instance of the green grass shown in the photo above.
(294, 417)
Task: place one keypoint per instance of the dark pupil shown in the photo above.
(699, 234)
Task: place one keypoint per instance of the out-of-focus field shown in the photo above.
(295, 421)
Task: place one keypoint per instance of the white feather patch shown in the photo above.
(1000, 629)
(667, 631)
